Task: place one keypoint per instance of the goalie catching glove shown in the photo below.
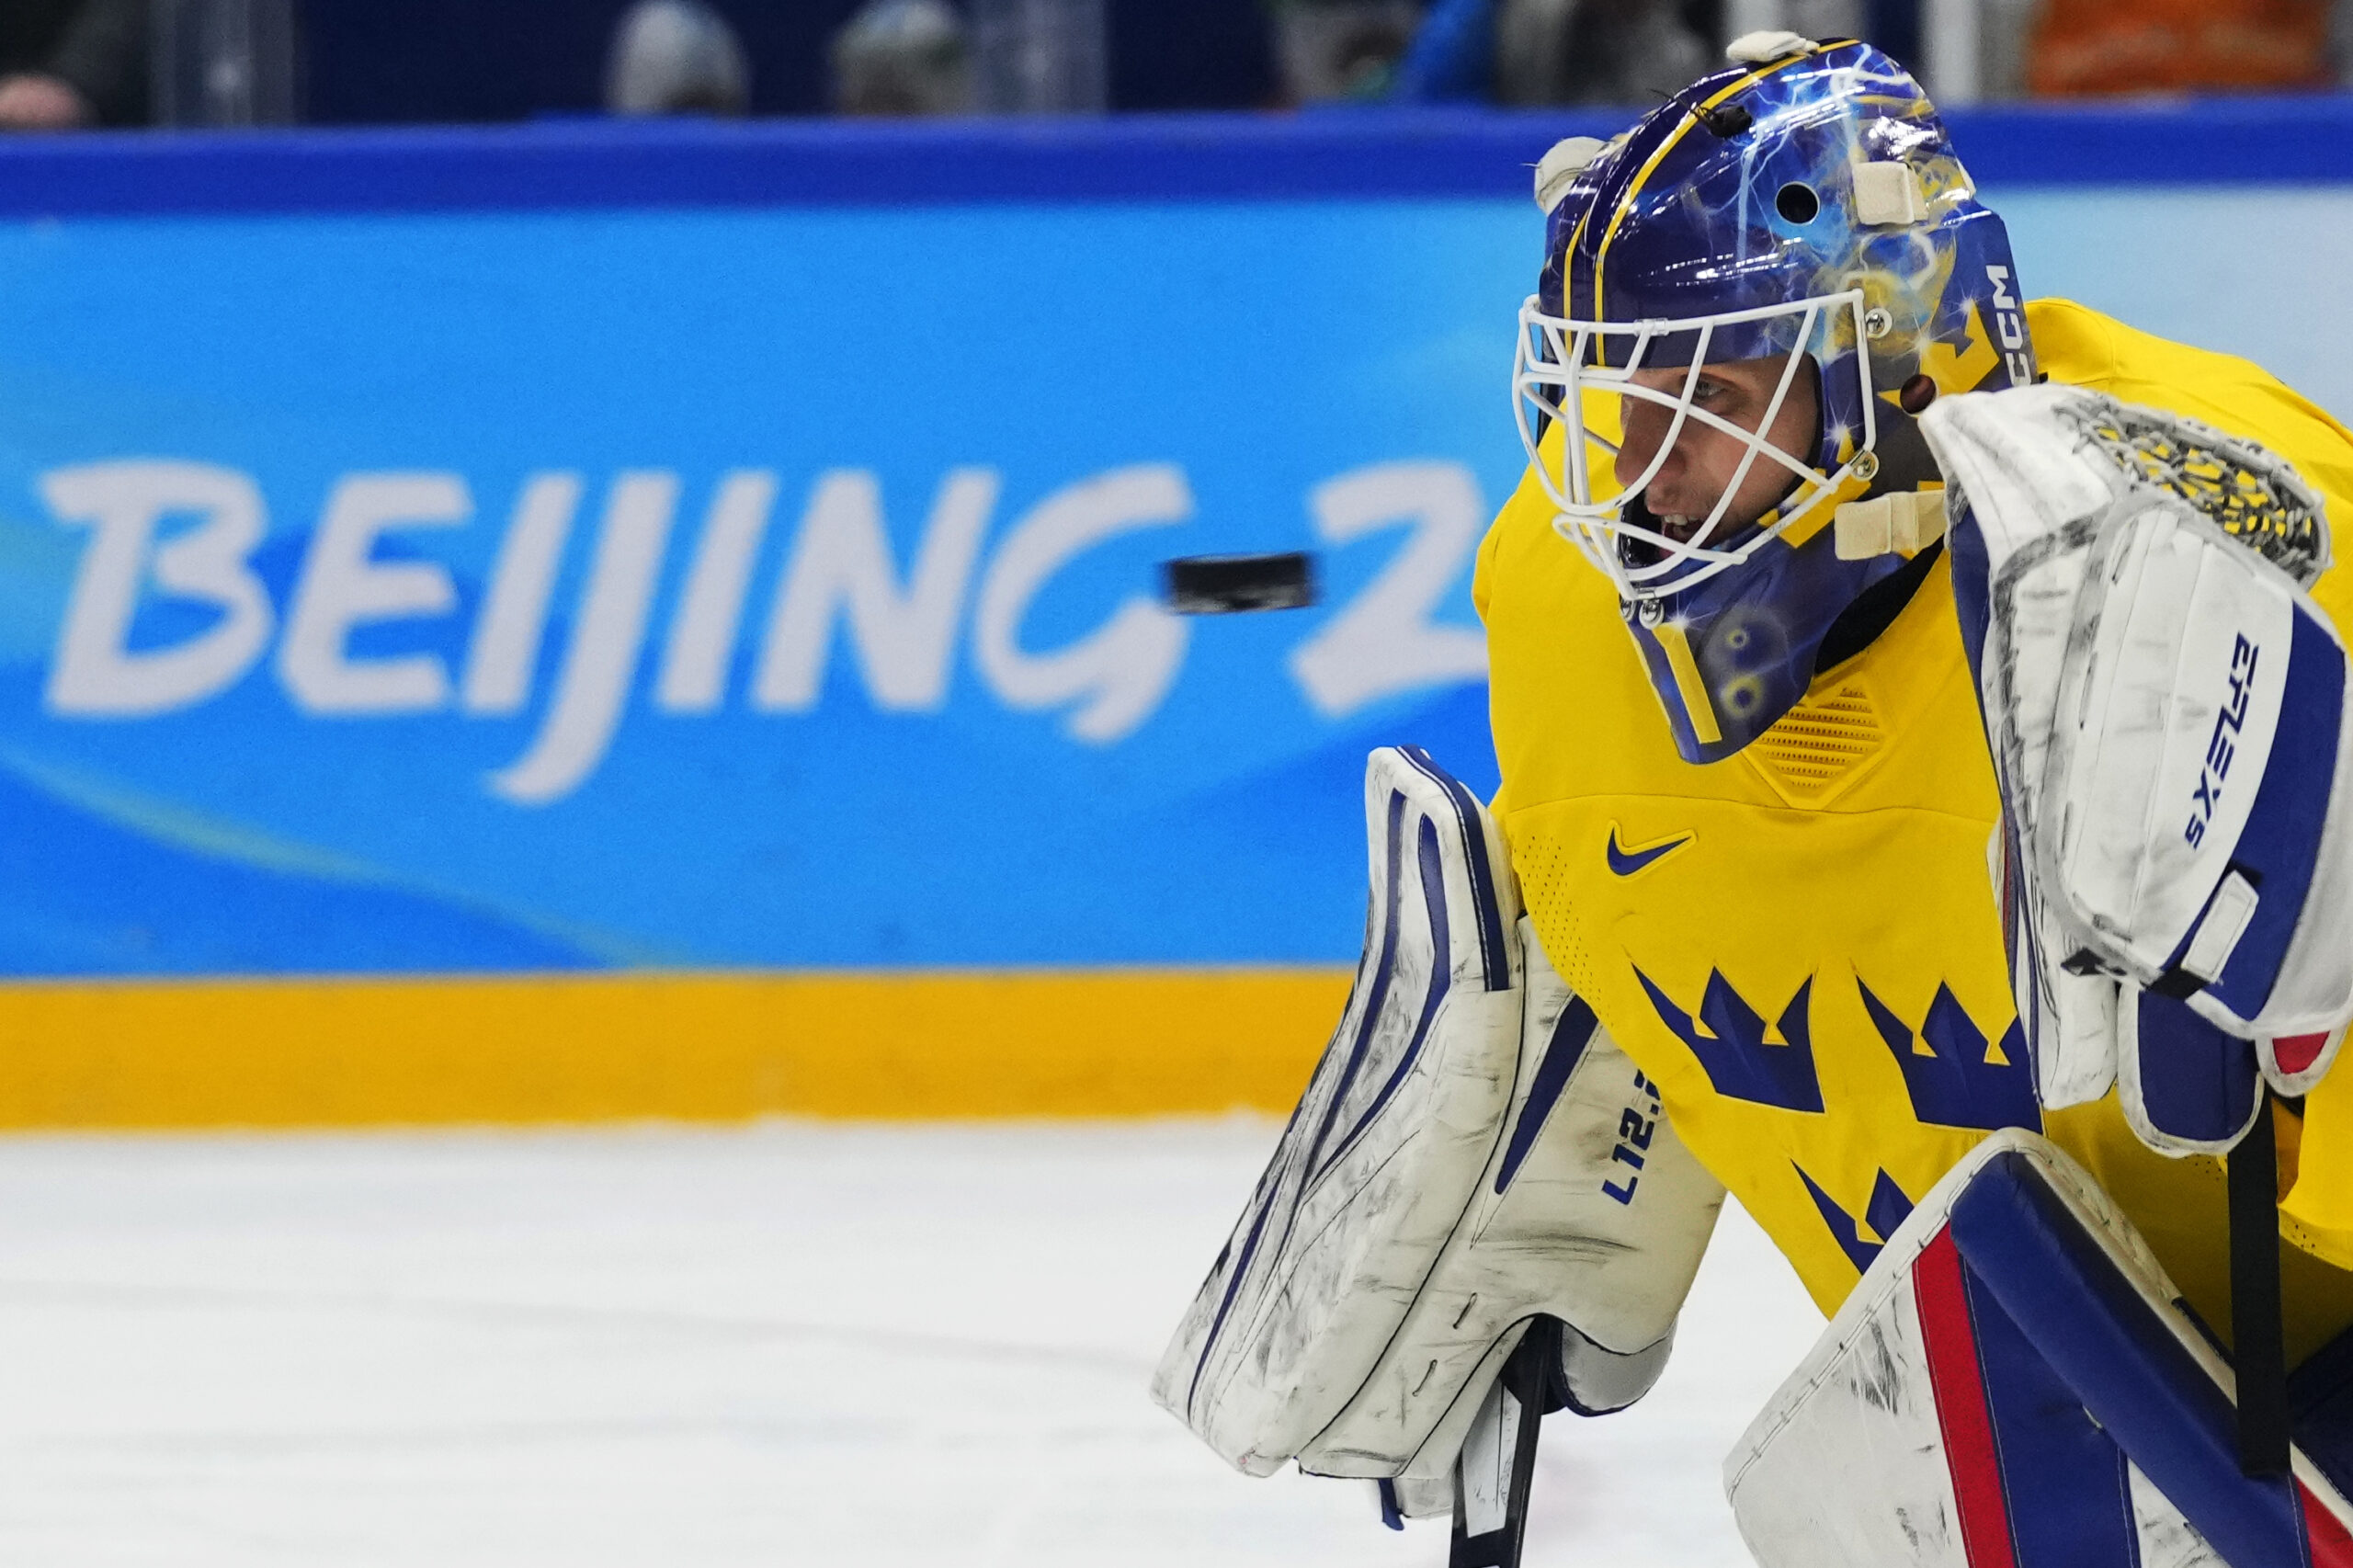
(2166, 705)
(1471, 1154)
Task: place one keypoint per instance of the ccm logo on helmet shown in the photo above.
(2010, 325)
(2223, 746)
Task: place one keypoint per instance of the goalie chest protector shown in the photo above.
(1799, 944)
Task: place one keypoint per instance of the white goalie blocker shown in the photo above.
(2166, 710)
(2016, 1383)
(1472, 1155)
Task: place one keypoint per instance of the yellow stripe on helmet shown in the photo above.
(1649, 164)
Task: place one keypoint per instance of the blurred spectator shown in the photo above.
(902, 57)
(1555, 52)
(1577, 51)
(224, 62)
(1332, 49)
(676, 57)
(71, 62)
(379, 61)
(1042, 56)
(2081, 47)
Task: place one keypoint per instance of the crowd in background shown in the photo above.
(71, 64)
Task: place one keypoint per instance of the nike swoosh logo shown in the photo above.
(1626, 863)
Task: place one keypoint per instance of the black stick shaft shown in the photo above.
(1528, 1377)
(2257, 1342)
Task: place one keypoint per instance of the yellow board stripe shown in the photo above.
(693, 1047)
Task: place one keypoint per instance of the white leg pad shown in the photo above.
(1472, 1151)
(2014, 1381)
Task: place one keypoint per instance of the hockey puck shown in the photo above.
(1232, 584)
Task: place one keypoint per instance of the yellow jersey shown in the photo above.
(1799, 944)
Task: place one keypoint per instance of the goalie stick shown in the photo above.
(1495, 1473)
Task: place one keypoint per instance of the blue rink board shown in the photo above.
(984, 747)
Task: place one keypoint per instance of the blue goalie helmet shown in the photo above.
(1802, 210)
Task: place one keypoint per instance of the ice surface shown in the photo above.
(796, 1344)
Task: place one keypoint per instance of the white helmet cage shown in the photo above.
(1560, 360)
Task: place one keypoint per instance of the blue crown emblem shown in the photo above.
(1955, 1075)
(1743, 1058)
(1888, 1209)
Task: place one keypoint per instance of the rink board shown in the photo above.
(695, 1048)
(556, 625)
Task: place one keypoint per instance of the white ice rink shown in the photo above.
(799, 1344)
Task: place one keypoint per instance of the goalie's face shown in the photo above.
(1675, 449)
(1706, 462)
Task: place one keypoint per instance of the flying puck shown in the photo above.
(1232, 584)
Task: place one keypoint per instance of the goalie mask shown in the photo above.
(1803, 212)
